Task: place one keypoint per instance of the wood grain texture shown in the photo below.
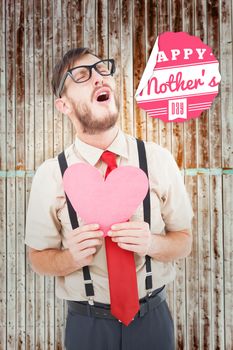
(34, 36)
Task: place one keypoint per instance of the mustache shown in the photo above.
(99, 87)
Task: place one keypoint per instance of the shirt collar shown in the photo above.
(92, 154)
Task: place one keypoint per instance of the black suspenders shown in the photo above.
(147, 218)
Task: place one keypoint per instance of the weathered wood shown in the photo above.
(34, 36)
(190, 128)
(139, 59)
(30, 163)
(217, 285)
(228, 258)
(203, 122)
(226, 49)
(204, 277)
(164, 20)
(3, 266)
(125, 67)
(152, 124)
(213, 39)
(192, 299)
(3, 160)
(47, 74)
(57, 55)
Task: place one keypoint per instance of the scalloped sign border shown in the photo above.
(181, 78)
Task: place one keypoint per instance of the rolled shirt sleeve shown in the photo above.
(176, 209)
(42, 224)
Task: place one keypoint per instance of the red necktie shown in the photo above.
(121, 269)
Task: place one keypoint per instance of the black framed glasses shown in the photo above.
(80, 74)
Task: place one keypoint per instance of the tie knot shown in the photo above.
(110, 159)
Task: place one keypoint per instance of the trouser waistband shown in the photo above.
(103, 310)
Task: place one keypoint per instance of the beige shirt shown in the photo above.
(48, 221)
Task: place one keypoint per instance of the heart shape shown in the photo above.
(105, 202)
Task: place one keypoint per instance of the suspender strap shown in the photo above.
(146, 208)
(74, 223)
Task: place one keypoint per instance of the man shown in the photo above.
(85, 91)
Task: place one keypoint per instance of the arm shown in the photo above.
(172, 246)
(82, 245)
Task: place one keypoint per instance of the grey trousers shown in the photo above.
(153, 331)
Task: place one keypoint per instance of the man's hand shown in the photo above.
(134, 236)
(82, 243)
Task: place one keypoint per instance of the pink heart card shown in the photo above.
(105, 202)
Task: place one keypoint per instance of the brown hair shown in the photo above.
(66, 63)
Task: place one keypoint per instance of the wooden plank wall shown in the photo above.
(34, 34)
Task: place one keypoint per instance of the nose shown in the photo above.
(97, 78)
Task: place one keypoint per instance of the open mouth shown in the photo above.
(102, 95)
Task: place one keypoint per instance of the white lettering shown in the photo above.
(200, 53)
(175, 53)
(187, 53)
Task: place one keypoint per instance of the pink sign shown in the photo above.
(105, 202)
(180, 80)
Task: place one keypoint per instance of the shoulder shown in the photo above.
(154, 152)
(49, 171)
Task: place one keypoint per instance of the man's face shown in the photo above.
(94, 105)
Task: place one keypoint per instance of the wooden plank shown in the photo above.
(3, 266)
(102, 27)
(204, 277)
(10, 192)
(39, 155)
(114, 45)
(152, 124)
(3, 228)
(164, 21)
(20, 267)
(2, 88)
(89, 25)
(203, 121)
(228, 257)
(192, 306)
(77, 36)
(57, 55)
(139, 63)
(217, 299)
(67, 11)
(30, 290)
(38, 87)
(77, 15)
(226, 86)
(125, 66)
(213, 37)
(20, 165)
(190, 127)
(11, 264)
(47, 75)
(30, 162)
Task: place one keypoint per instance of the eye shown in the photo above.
(80, 74)
(102, 68)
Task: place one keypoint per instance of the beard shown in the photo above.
(92, 125)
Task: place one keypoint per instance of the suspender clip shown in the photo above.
(91, 301)
(149, 273)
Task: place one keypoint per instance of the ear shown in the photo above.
(62, 107)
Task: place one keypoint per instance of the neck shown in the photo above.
(102, 140)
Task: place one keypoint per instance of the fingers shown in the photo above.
(130, 225)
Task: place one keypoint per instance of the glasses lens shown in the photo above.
(104, 67)
(80, 74)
